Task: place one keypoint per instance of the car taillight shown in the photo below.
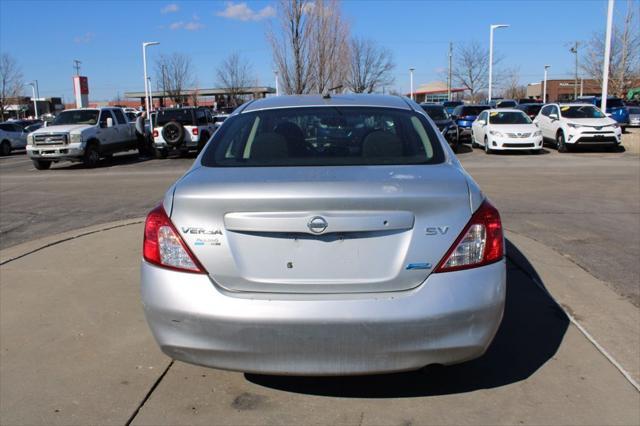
(163, 246)
(155, 133)
(480, 243)
(194, 131)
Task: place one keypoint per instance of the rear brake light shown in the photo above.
(480, 243)
(163, 246)
(194, 131)
(155, 133)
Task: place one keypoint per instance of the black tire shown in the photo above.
(91, 155)
(487, 150)
(5, 148)
(473, 142)
(173, 133)
(535, 151)
(160, 153)
(561, 146)
(41, 164)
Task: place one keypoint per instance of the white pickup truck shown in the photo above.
(82, 135)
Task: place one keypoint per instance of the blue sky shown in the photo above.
(45, 36)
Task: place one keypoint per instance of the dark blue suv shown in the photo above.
(615, 107)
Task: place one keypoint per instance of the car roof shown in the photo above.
(575, 104)
(506, 110)
(302, 101)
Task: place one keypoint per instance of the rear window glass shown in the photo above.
(531, 109)
(182, 116)
(634, 111)
(615, 103)
(472, 110)
(499, 117)
(324, 136)
(435, 112)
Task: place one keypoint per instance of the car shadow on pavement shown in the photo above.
(530, 334)
(117, 160)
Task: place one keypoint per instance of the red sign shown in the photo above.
(82, 83)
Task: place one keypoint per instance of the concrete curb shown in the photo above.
(606, 319)
(16, 252)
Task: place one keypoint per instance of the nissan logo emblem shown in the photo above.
(317, 225)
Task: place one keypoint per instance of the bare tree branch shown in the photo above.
(174, 75)
(11, 82)
(624, 65)
(371, 66)
(471, 68)
(511, 86)
(235, 75)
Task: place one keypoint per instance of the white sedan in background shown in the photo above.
(505, 129)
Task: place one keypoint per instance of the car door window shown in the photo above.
(119, 116)
(545, 110)
(554, 110)
(201, 118)
(103, 117)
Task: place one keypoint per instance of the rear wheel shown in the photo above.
(41, 164)
(5, 148)
(91, 156)
(560, 144)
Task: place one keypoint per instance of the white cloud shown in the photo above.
(189, 26)
(84, 38)
(242, 12)
(170, 8)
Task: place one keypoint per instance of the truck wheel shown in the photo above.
(91, 156)
(41, 164)
(161, 153)
(5, 148)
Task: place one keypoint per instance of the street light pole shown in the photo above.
(544, 86)
(35, 103)
(277, 88)
(411, 76)
(144, 61)
(449, 81)
(607, 52)
(491, 29)
(150, 92)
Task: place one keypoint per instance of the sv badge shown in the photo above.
(436, 230)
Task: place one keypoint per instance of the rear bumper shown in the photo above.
(450, 318)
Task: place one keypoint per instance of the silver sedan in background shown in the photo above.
(324, 236)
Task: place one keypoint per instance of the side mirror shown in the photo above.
(553, 116)
(484, 123)
(109, 122)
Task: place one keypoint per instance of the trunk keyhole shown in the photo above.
(289, 265)
(385, 223)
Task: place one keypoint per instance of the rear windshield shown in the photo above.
(584, 111)
(435, 112)
(472, 110)
(451, 103)
(509, 117)
(531, 108)
(324, 136)
(634, 111)
(182, 116)
(615, 103)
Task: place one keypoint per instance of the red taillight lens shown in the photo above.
(163, 246)
(194, 131)
(155, 133)
(480, 243)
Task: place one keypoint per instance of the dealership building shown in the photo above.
(564, 90)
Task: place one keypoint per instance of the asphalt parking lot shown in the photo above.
(76, 350)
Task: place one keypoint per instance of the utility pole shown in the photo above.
(574, 50)
(607, 52)
(411, 74)
(76, 65)
(449, 80)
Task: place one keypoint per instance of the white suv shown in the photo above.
(571, 125)
(181, 128)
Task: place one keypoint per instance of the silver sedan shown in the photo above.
(324, 236)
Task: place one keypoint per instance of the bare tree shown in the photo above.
(511, 86)
(624, 65)
(11, 82)
(471, 68)
(235, 75)
(329, 46)
(290, 45)
(174, 75)
(370, 68)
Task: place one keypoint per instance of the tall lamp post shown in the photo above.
(146, 81)
(607, 52)
(35, 99)
(277, 88)
(411, 77)
(491, 29)
(544, 85)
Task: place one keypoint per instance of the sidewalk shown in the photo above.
(75, 349)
